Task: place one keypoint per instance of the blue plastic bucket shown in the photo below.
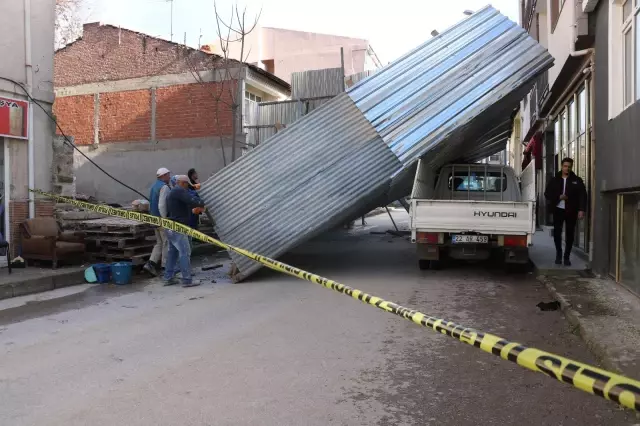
(121, 272)
(103, 272)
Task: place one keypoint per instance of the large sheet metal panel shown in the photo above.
(305, 179)
(448, 99)
(452, 88)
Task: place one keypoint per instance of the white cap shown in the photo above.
(162, 171)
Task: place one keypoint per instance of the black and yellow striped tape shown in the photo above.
(611, 386)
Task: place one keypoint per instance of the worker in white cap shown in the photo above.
(158, 207)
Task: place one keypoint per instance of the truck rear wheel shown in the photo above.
(424, 264)
(436, 265)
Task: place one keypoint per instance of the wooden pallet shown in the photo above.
(111, 225)
(118, 242)
(128, 251)
(137, 260)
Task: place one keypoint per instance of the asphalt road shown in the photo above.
(278, 351)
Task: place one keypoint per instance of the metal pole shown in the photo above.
(469, 183)
(394, 222)
(171, 1)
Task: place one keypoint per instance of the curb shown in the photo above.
(40, 284)
(575, 319)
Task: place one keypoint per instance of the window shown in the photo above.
(477, 181)
(556, 10)
(251, 108)
(624, 54)
(625, 237)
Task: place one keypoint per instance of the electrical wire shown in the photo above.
(67, 140)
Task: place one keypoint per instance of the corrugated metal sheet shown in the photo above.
(445, 100)
(352, 79)
(317, 83)
(453, 87)
(300, 182)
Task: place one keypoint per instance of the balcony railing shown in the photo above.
(537, 97)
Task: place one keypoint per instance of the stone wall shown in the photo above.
(62, 168)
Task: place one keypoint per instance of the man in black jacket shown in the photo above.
(568, 196)
(180, 204)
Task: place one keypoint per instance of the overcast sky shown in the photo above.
(393, 28)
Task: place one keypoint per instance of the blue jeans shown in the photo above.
(179, 252)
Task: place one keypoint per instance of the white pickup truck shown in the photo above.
(472, 211)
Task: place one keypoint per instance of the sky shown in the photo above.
(392, 27)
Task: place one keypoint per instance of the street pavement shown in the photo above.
(280, 351)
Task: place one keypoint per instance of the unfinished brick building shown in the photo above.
(138, 103)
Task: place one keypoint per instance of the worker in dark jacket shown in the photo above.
(180, 203)
(568, 196)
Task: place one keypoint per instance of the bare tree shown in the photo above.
(231, 34)
(68, 24)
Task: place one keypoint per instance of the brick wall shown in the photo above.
(189, 111)
(125, 116)
(182, 112)
(107, 53)
(75, 116)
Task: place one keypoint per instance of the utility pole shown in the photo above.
(171, 1)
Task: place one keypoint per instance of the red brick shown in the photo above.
(125, 116)
(75, 117)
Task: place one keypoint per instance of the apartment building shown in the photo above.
(283, 52)
(617, 131)
(26, 132)
(556, 118)
(586, 107)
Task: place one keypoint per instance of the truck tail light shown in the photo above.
(428, 237)
(515, 240)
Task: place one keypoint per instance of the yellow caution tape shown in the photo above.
(611, 386)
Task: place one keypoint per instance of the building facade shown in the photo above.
(283, 52)
(557, 113)
(617, 151)
(26, 132)
(135, 102)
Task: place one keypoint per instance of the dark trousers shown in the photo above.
(560, 217)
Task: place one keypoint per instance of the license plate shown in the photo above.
(469, 239)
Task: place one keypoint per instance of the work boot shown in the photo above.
(150, 268)
(567, 262)
(194, 283)
(171, 281)
(558, 258)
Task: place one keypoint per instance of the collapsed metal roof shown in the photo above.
(448, 99)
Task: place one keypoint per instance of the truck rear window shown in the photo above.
(477, 181)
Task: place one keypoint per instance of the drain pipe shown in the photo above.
(29, 72)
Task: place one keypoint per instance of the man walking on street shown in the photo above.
(157, 199)
(180, 203)
(567, 193)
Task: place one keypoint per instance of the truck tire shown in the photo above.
(436, 265)
(424, 264)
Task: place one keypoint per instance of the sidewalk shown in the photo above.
(606, 315)
(35, 280)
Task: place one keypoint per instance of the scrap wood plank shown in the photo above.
(127, 251)
(119, 242)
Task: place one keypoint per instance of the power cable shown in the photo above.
(67, 140)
